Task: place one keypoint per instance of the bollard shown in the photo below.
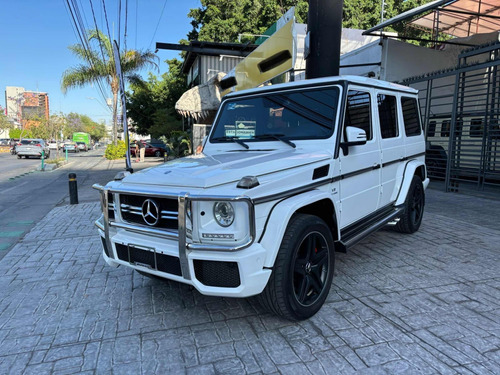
(43, 159)
(73, 189)
(165, 157)
(66, 151)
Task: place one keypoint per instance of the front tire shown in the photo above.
(410, 221)
(303, 270)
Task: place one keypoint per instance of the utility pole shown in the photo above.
(324, 32)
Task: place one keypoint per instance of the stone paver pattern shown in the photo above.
(427, 303)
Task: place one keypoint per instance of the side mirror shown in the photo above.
(354, 137)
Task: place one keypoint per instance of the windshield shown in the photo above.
(304, 114)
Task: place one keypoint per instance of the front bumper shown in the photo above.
(212, 270)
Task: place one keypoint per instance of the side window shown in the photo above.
(476, 128)
(431, 130)
(358, 113)
(387, 115)
(445, 128)
(410, 116)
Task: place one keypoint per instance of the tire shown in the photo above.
(411, 219)
(302, 274)
(158, 154)
(19, 156)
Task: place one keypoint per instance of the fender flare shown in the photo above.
(408, 174)
(280, 216)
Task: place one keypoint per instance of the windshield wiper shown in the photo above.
(279, 137)
(234, 139)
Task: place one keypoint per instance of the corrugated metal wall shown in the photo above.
(211, 65)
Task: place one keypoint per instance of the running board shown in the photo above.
(356, 232)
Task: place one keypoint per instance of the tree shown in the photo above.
(4, 121)
(224, 20)
(75, 122)
(151, 105)
(100, 64)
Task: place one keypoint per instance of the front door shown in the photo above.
(360, 168)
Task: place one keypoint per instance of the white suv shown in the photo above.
(289, 174)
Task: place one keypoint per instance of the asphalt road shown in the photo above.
(27, 195)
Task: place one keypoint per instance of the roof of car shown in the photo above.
(324, 81)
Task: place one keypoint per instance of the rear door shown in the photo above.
(391, 143)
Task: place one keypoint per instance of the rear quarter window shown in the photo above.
(411, 116)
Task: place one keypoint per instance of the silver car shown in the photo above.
(32, 147)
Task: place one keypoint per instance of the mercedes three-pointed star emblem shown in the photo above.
(150, 212)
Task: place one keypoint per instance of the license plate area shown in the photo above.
(147, 257)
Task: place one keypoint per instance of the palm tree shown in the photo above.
(100, 64)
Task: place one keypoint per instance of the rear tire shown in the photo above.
(158, 154)
(303, 270)
(410, 221)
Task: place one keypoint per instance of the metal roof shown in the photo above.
(459, 18)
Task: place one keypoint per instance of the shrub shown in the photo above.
(115, 152)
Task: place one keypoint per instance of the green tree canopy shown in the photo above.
(151, 105)
(75, 122)
(4, 121)
(224, 20)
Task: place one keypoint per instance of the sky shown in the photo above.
(35, 35)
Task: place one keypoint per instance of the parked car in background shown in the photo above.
(54, 145)
(70, 147)
(82, 146)
(32, 147)
(151, 150)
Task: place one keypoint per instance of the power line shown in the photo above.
(119, 21)
(136, 16)
(158, 24)
(126, 20)
(79, 26)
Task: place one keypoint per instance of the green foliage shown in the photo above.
(82, 123)
(4, 121)
(224, 20)
(57, 161)
(179, 143)
(151, 105)
(19, 133)
(117, 151)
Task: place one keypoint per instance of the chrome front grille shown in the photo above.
(131, 210)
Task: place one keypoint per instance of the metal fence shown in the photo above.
(460, 108)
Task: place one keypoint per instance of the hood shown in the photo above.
(203, 171)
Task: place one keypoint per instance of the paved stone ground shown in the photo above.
(425, 303)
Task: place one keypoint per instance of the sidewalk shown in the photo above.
(424, 303)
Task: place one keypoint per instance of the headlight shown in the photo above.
(225, 222)
(224, 213)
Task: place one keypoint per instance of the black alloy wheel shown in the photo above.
(303, 270)
(411, 219)
(310, 268)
